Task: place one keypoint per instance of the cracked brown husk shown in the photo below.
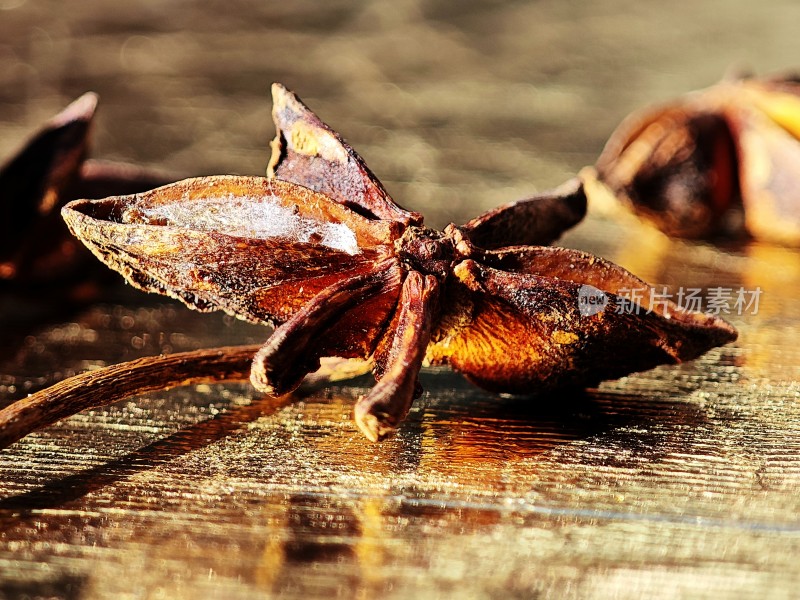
(720, 163)
(320, 251)
(47, 172)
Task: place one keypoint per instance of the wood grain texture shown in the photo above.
(679, 482)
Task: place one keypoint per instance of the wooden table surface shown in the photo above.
(679, 482)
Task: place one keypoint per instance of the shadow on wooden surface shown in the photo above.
(485, 436)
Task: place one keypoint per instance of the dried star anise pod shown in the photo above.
(724, 161)
(47, 172)
(319, 250)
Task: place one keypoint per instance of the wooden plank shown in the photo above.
(679, 482)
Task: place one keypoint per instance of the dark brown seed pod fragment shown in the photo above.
(47, 172)
(719, 162)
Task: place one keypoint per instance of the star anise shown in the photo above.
(319, 250)
(724, 161)
(47, 172)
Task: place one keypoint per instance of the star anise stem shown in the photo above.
(117, 382)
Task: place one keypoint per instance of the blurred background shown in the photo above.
(456, 106)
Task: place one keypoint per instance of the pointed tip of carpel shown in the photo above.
(570, 187)
(724, 334)
(80, 109)
(727, 332)
(263, 385)
(73, 215)
(282, 96)
(78, 213)
(277, 89)
(718, 331)
(375, 429)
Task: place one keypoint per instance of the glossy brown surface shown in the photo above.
(679, 482)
